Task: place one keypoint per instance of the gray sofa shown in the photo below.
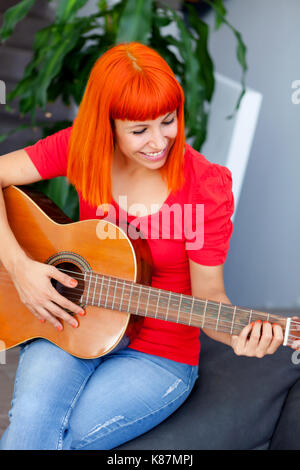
(258, 385)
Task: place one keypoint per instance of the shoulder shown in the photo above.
(50, 154)
(57, 141)
(205, 176)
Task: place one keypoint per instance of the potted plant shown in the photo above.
(65, 51)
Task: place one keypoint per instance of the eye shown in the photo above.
(166, 123)
(169, 122)
(139, 132)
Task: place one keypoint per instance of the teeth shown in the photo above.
(154, 154)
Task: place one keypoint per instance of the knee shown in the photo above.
(102, 436)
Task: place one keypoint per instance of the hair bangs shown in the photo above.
(143, 98)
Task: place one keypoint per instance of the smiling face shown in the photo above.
(145, 144)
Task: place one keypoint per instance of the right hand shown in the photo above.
(32, 281)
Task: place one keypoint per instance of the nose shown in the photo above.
(157, 140)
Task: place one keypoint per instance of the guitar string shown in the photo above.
(183, 316)
(184, 313)
(182, 295)
(213, 321)
(136, 287)
(189, 314)
(292, 343)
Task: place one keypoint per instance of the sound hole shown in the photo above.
(72, 293)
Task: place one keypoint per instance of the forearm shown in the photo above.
(218, 335)
(10, 250)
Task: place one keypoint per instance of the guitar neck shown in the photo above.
(137, 299)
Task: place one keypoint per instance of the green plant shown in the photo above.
(65, 51)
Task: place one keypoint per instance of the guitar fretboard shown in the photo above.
(127, 296)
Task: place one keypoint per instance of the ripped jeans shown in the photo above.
(63, 402)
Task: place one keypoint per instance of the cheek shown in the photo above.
(132, 143)
(172, 131)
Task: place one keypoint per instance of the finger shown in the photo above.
(60, 313)
(48, 317)
(65, 303)
(239, 342)
(277, 340)
(254, 337)
(62, 277)
(265, 339)
(34, 312)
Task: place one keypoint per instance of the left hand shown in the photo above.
(257, 339)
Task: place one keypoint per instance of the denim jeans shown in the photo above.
(63, 402)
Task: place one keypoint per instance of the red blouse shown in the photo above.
(200, 230)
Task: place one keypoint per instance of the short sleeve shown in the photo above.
(50, 155)
(212, 192)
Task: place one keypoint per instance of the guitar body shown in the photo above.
(48, 236)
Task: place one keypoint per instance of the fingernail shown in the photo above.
(73, 282)
(258, 321)
(42, 320)
(59, 327)
(74, 325)
(82, 312)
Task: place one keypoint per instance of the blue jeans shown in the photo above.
(63, 402)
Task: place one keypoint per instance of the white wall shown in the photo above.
(263, 266)
(263, 269)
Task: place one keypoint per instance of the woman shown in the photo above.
(126, 141)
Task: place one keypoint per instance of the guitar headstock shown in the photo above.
(292, 333)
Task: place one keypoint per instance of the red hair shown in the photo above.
(129, 81)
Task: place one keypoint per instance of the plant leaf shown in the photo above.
(205, 62)
(241, 49)
(135, 22)
(67, 9)
(220, 12)
(194, 87)
(12, 16)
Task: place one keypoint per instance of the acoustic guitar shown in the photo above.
(114, 283)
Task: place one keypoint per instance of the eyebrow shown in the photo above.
(144, 124)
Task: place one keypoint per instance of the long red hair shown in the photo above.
(129, 81)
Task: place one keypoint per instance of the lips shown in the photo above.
(159, 156)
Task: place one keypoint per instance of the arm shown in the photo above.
(255, 339)
(31, 278)
(15, 168)
(207, 283)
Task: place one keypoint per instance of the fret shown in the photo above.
(251, 311)
(157, 303)
(167, 311)
(99, 300)
(179, 308)
(234, 312)
(204, 314)
(268, 317)
(218, 317)
(129, 300)
(93, 299)
(113, 301)
(121, 302)
(191, 312)
(82, 294)
(146, 310)
(88, 292)
(106, 297)
(138, 302)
